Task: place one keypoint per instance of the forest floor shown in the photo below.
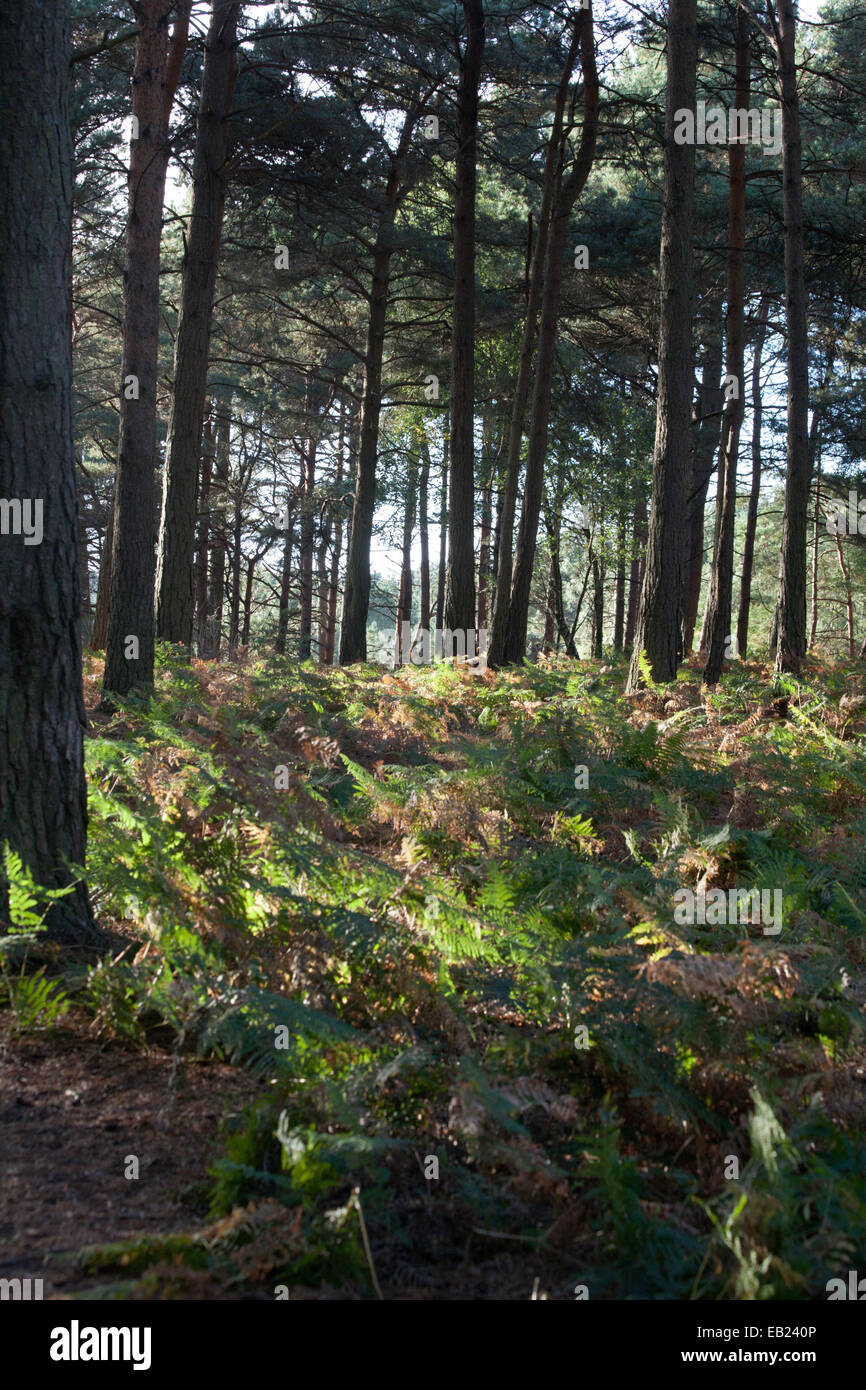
(409, 1005)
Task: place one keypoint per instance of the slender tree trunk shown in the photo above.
(99, 632)
(636, 573)
(597, 609)
(535, 264)
(816, 537)
(209, 648)
(84, 580)
(846, 581)
(356, 586)
(550, 605)
(132, 569)
(484, 543)
(703, 461)
(568, 192)
(248, 600)
(460, 574)
(658, 622)
(285, 579)
(356, 590)
(236, 567)
(43, 796)
(424, 535)
(619, 609)
(404, 598)
(333, 580)
(334, 592)
(755, 490)
(174, 577)
(443, 535)
(203, 533)
(308, 523)
(722, 577)
(324, 592)
(791, 646)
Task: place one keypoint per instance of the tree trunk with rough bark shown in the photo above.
(307, 534)
(460, 572)
(703, 461)
(209, 648)
(174, 576)
(658, 622)
(99, 632)
(619, 606)
(636, 572)
(130, 609)
(565, 198)
(202, 539)
(285, 580)
(505, 541)
(43, 795)
(722, 577)
(791, 607)
(443, 535)
(424, 535)
(755, 489)
(356, 585)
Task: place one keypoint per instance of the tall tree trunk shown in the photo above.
(550, 605)
(816, 538)
(324, 592)
(404, 597)
(846, 582)
(636, 573)
(658, 622)
(356, 585)
(791, 637)
(307, 530)
(567, 194)
(209, 648)
(285, 578)
(203, 534)
(505, 540)
(84, 580)
(99, 632)
(236, 566)
(619, 608)
(703, 461)
(484, 540)
(443, 534)
(333, 581)
(43, 796)
(130, 614)
(755, 489)
(424, 535)
(460, 573)
(174, 575)
(597, 609)
(722, 577)
(248, 600)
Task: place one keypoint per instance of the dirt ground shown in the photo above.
(72, 1109)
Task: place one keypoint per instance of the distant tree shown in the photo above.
(658, 621)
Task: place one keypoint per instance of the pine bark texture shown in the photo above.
(43, 798)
